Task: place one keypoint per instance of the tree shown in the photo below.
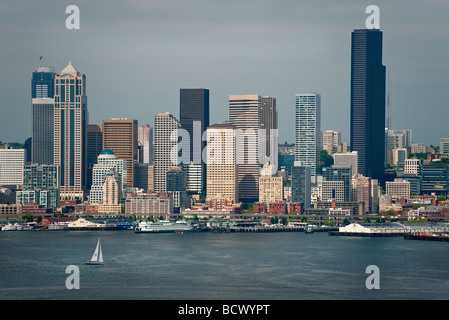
(284, 221)
(324, 160)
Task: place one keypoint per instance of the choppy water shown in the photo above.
(275, 266)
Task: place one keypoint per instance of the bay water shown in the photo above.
(206, 265)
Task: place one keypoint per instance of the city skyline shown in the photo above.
(288, 68)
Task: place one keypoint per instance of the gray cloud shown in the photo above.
(137, 54)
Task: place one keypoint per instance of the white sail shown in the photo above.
(97, 257)
(100, 254)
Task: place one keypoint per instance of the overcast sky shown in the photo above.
(137, 54)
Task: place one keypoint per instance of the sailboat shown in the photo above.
(97, 257)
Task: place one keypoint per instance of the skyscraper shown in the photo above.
(165, 125)
(244, 114)
(42, 100)
(70, 125)
(120, 135)
(194, 107)
(308, 130)
(222, 169)
(268, 121)
(368, 102)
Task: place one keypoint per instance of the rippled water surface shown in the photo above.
(220, 266)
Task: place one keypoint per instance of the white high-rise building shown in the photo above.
(106, 162)
(11, 166)
(222, 169)
(308, 130)
(165, 125)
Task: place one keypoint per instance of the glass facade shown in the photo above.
(368, 102)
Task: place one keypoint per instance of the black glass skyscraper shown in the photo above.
(194, 107)
(368, 102)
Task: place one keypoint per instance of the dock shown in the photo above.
(365, 234)
(266, 229)
(432, 237)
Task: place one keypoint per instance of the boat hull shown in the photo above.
(94, 263)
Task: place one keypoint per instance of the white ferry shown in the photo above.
(18, 227)
(163, 226)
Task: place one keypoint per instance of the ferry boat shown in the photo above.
(59, 225)
(10, 227)
(163, 226)
(18, 227)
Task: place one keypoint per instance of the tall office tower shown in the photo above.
(120, 135)
(222, 168)
(70, 137)
(308, 130)
(11, 166)
(106, 162)
(244, 114)
(194, 107)
(42, 102)
(331, 141)
(94, 148)
(42, 179)
(301, 184)
(368, 102)
(268, 121)
(145, 137)
(165, 126)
